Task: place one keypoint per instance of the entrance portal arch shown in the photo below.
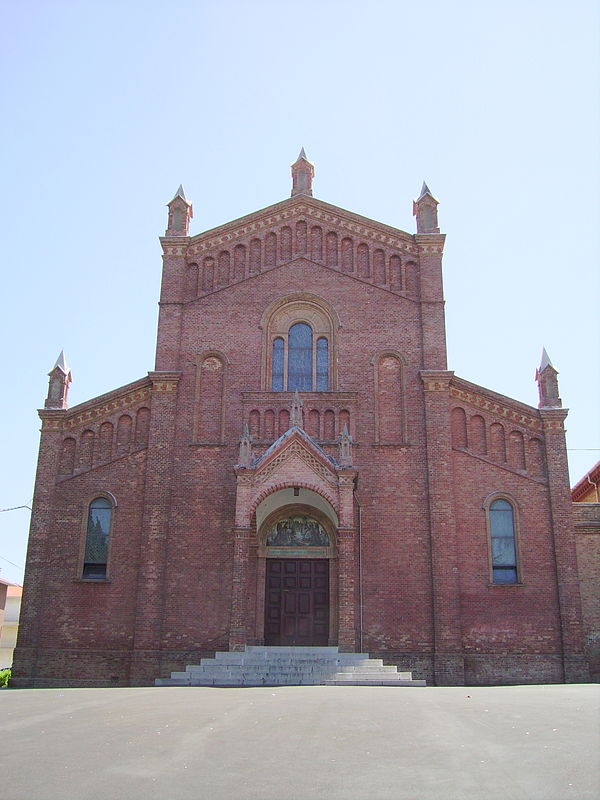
(297, 572)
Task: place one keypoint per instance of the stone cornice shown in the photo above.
(430, 243)
(164, 381)
(436, 380)
(52, 418)
(287, 210)
(553, 419)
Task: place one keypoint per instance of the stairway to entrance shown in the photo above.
(290, 666)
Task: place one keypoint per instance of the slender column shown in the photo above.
(575, 666)
(32, 605)
(448, 656)
(155, 526)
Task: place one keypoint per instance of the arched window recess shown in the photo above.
(299, 345)
(97, 538)
(502, 527)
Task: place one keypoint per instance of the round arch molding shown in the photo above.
(284, 312)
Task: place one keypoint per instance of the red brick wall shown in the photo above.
(427, 602)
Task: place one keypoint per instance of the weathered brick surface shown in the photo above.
(410, 566)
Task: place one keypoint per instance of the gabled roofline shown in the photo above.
(115, 394)
(289, 202)
(584, 484)
(280, 444)
(501, 400)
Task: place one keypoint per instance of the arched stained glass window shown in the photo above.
(277, 378)
(299, 342)
(322, 365)
(95, 558)
(503, 542)
(300, 368)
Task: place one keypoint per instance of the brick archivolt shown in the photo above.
(294, 466)
(273, 487)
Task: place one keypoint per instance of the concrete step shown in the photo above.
(325, 662)
(289, 666)
(264, 648)
(366, 668)
(373, 682)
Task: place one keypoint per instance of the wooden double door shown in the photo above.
(297, 602)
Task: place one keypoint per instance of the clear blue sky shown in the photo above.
(108, 106)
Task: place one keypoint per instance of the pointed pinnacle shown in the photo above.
(545, 360)
(424, 190)
(180, 193)
(302, 155)
(245, 431)
(61, 363)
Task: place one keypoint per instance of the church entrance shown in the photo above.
(297, 602)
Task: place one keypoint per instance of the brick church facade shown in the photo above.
(301, 468)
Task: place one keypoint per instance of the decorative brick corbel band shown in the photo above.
(436, 380)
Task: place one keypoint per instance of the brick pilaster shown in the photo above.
(168, 344)
(433, 324)
(347, 581)
(157, 493)
(347, 562)
(238, 630)
(563, 532)
(30, 618)
(448, 658)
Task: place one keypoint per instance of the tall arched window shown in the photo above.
(307, 361)
(322, 365)
(95, 558)
(278, 364)
(503, 542)
(300, 352)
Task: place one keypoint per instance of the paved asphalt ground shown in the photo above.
(300, 743)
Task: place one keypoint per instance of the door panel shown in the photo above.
(297, 602)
